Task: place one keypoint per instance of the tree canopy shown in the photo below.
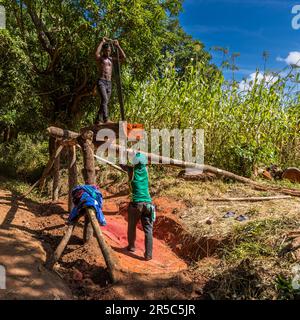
(47, 53)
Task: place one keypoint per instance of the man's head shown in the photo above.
(106, 50)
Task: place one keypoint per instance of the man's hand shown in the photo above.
(121, 52)
(98, 51)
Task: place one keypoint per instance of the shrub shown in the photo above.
(24, 157)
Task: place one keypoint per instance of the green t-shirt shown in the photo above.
(140, 184)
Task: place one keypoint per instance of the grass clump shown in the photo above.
(257, 239)
(252, 266)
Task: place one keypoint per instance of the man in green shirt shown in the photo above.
(141, 206)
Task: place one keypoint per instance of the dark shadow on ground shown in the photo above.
(128, 253)
(162, 287)
(23, 258)
(242, 282)
(38, 209)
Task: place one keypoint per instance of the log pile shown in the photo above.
(69, 139)
(85, 140)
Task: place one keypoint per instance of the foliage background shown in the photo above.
(48, 72)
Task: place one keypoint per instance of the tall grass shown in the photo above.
(243, 127)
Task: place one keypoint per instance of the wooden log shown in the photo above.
(110, 163)
(85, 140)
(50, 165)
(157, 159)
(65, 134)
(292, 174)
(29, 190)
(62, 245)
(45, 173)
(291, 192)
(62, 133)
(105, 248)
(56, 176)
(87, 230)
(117, 74)
(250, 199)
(86, 144)
(114, 126)
(72, 170)
(69, 143)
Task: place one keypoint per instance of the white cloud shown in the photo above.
(293, 59)
(258, 78)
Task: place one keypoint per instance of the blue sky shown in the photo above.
(245, 26)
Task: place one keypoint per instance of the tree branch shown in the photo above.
(45, 37)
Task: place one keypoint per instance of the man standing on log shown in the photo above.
(140, 207)
(105, 68)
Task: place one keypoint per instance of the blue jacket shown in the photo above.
(84, 196)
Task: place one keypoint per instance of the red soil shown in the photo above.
(164, 260)
(83, 267)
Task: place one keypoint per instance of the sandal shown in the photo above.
(229, 214)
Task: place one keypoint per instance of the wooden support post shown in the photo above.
(87, 230)
(105, 248)
(46, 171)
(72, 168)
(62, 245)
(86, 142)
(56, 176)
(62, 134)
(50, 165)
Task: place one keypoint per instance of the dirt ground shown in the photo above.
(198, 209)
(188, 232)
(23, 258)
(81, 272)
